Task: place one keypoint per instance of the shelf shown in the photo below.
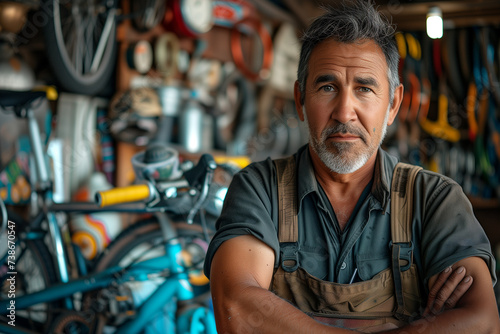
(412, 16)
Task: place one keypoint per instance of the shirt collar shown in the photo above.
(306, 180)
(384, 166)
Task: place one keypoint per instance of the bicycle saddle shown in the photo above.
(19, 99)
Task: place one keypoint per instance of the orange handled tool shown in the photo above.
(471, 109)
(121, 195)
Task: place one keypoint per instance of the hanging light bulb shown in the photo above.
(434, 23)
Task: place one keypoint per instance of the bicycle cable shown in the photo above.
(203, 221)
(158, 244)
(144, 252)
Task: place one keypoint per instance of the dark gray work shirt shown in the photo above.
(445, 229)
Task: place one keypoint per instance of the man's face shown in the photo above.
(346, 104)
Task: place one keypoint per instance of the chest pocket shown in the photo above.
(314, 261)
(370, 264)
(391, 298)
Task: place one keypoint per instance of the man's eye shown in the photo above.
(327, 88)
(365, 89)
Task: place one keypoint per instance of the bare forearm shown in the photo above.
(241, 272)
(260, 311)
(455, 321)
(474, 311)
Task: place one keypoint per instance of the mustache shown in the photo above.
(342, 128)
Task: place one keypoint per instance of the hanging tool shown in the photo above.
(256, 27)
(440, 128)
(484, 168)
(408, 129)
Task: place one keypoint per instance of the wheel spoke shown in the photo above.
(104, 39)
(30, 280)
(85, 41)
(68, 33)
(79, 43)
(90, 29)
(149, 16)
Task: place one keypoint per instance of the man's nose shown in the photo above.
(344, 109)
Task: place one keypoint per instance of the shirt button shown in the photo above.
(342, 267)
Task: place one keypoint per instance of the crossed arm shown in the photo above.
(241, 273)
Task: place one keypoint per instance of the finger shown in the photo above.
(441, 279)
(447, 289)
(460, 290)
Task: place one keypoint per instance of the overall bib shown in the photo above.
(388, 300)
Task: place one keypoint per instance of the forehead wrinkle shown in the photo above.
(347, 54)
(365, 61)
(367, 75)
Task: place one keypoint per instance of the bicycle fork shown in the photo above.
(45, 184)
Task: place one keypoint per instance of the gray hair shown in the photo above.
(349, 23)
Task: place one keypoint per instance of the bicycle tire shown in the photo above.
(35, 271)
(72, 35)
(135, 240)
(71, 322)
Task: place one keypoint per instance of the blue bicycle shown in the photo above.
(148, 280)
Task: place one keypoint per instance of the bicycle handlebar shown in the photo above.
(200, 176)
(120, 195)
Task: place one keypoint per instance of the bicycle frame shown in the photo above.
(175, 285)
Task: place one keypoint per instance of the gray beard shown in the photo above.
(340, 162)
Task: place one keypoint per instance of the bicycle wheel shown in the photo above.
(80, 38)
(71, 322)
(34, 272)
(142, 241)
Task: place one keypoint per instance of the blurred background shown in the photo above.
(217, 76)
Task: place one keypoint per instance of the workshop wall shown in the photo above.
(224, 84)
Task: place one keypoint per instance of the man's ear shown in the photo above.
(396, 103)
(297, 96)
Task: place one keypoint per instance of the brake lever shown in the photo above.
(196, 175)
(202, 174)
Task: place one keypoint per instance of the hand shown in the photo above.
(450, 286)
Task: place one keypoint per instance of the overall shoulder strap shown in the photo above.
(288, 233)
(287, 196)
(403, 180)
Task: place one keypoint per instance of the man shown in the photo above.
(348, 92)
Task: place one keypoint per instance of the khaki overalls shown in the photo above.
(388, 300)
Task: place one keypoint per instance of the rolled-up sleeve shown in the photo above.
(450, 230)
(247, 209)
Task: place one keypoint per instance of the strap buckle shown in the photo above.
(289, 256)
(405, 254)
